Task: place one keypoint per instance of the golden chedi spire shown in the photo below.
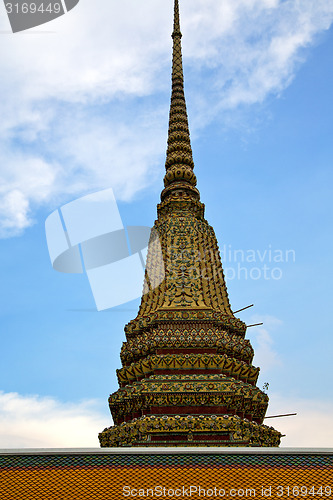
(179, 161)
(187, 377)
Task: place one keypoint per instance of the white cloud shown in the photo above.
(14, 209)
(81, 107)
(26, 181)
(262, 340)
(311, 427)
(44, 422)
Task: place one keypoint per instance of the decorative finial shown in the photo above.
(179, 161)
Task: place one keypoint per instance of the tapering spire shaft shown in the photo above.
(177, 62)
(179, 161)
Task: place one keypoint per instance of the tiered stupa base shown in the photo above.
(189, 430)
(187, 380)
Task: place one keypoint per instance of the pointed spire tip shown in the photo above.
(179, 161)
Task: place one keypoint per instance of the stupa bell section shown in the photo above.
(187, 377)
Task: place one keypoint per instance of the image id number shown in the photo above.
(303, 491)
(32, 8)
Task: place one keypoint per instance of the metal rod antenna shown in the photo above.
(243, 309)
(255, 324)
(285, 415)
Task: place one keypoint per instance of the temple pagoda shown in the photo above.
(187, 377)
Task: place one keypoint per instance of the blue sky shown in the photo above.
(85, 107)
